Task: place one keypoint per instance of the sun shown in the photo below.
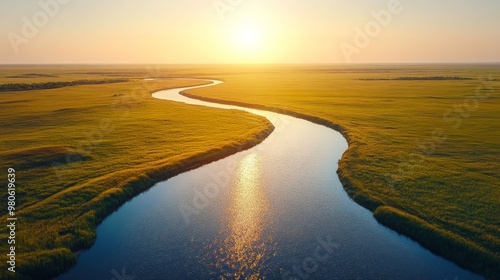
(249, 38)
(248, 41)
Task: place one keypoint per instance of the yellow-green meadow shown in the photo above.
(80, 152)
(424, 143)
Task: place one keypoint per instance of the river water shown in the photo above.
(276, 211)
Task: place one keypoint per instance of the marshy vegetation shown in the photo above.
(431, 78)
(425, 149)
(51, 85)
(80, 153)
(423, 153)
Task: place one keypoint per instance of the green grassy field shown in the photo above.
(424, 143)
(79, 152)
(423, 155)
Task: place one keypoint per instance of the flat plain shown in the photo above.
(423, 145)
(81, 151)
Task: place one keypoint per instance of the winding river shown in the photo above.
(276, 211)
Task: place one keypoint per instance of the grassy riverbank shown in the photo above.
(82, 151)
(423, 151)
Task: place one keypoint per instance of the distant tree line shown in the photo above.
(51, 85)
(433, 78)
(33, 75)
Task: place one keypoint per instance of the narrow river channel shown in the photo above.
(276, 211)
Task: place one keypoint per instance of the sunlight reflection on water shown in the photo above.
(245, 248)
(276, 200)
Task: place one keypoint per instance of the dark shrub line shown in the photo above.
(33, 75)
(51, 85)
(432, 78)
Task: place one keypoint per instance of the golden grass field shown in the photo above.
(79, 152)
(423, 153)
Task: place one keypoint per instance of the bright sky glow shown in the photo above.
(244, 31)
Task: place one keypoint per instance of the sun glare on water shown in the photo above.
(243, 253)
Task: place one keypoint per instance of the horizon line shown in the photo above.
(250, 64)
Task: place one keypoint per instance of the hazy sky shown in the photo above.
(239, 31)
